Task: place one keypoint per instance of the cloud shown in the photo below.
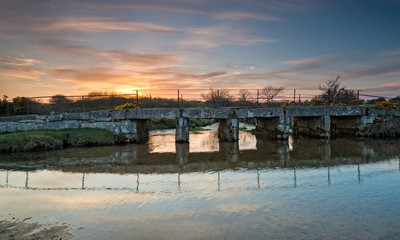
(392, 52)
(92, 75)
(230, 15)
(33, 25)
(313, 60)
(380, 69)
(214, 36)
(31, 19)
(178, 73)
(241, 66)
(157, 78)
(392, 90)
(210, 75)
(119, 56)
(95, 24)
(286, 5)
(19, 61)
(15, 72)
(136, 59)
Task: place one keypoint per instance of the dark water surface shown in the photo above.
(300, 189)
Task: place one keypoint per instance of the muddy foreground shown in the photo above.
(23, 230)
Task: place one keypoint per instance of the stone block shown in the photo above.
(245, 113)
(18, 118)
(151, 113)
(346, 111)
(76, 116)
(270, 112)
(118, 115)
(54, 118)
(207, 113)
(110, 126)
(72, 124)
(8, 127)
(228, 130)
(100, 116)
(306, 111)
(27, 127)
(131, 114)
(182, 130)
(54, 125)
(142, 131)
(196, 113)
(128, 126)
(376, 112)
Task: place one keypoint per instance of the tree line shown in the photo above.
(333, 93)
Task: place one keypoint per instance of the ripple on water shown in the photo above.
(270, 191)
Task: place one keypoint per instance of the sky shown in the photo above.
(74, 47)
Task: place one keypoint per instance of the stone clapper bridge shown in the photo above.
(271, 123)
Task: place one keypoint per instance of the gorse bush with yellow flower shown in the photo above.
(386, 105)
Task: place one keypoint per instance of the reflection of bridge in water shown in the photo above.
(137, 160)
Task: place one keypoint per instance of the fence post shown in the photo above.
(178, 99)
(27, 106)
(83, 104)
(258, 94)
(150, 101)
(294, 96)
(218, 98)
(137, 99)
(8, 108)
(358, 97)
(108, 102)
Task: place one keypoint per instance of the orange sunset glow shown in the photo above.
(157, 47)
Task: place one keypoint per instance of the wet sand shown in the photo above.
(16, 229)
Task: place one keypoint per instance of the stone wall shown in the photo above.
(104, 120)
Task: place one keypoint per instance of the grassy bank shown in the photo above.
(385, 129)
(55, 139)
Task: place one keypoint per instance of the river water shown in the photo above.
(296, 189)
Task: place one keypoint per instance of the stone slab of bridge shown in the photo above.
(271, 123)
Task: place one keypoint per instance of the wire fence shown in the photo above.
(165, 98)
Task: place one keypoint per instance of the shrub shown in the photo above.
(287, 104)
(127, 106)
(382, 128)
(317, 102)
(340, 104)
(386, 105)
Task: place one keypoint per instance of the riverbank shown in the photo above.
(55, 139)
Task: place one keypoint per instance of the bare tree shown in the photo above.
(269, 92)
(244, 94)
(330, 90)
(59, 99)
(217, 96)
(333, 92)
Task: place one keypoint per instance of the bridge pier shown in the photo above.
(317, 127)
(142, 131)
(182, 130)
(228, 129)
(272, 128)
